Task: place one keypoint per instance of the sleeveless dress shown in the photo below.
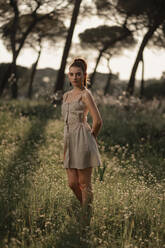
(80, 146)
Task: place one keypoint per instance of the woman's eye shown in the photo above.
(77, 74)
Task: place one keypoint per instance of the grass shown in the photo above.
(129, 188)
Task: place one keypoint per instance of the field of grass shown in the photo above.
(129, 188)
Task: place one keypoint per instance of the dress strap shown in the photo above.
(65, 96)
(77, 98)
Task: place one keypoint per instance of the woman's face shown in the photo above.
(76, 76)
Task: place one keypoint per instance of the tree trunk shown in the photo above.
(107, 86)
(14, 28)
(14, 87)
(95, 69)
(61, 73)
(34, 67)
(142, 80)
(13, 79)
(5, 79)
(147, 36)
(10, 77)
(111, 43)
(108, 83)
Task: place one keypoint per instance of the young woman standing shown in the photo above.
(80, 146)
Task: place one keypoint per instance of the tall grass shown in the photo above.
(37, 209)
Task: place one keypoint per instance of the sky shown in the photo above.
(51, 57)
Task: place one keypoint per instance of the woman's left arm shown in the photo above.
(93, 110)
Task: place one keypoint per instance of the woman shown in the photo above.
(80, 147)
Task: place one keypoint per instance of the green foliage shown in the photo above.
(125, 127)
(107, 37)
(154, 89)
(136, 132)
(37, 209)
(140, 7)
(102, 5)
(47, 28)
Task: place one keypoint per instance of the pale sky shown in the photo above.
(154, 60)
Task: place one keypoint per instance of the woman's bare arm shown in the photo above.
(93, 110)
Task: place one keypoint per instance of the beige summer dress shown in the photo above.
(80, 147)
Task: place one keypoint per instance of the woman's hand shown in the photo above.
(93, 134)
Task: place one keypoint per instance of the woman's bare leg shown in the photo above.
(84, 179)
(73, 182)
(80, 182)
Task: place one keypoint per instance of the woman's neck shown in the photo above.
(77, 89)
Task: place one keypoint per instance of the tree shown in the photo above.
(61, 73)
(152, 13)
(110, 75)
(49, 30)
(33, 13)
(33, 71)
(138, 16)
(105, 39)
(142, 79)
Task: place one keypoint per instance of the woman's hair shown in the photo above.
(81, 63)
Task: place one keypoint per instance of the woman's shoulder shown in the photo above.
(87, 95)
(66, 94)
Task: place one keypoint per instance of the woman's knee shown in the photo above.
(85, 186)
(84, 179)
(73, 184)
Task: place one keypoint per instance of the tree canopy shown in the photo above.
(106, 39)
(49, 28)
(25, 20)
(104, 36)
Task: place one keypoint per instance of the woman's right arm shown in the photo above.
(93, 110)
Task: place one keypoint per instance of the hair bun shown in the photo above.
(79, 60)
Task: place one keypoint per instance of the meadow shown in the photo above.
(38, 210)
